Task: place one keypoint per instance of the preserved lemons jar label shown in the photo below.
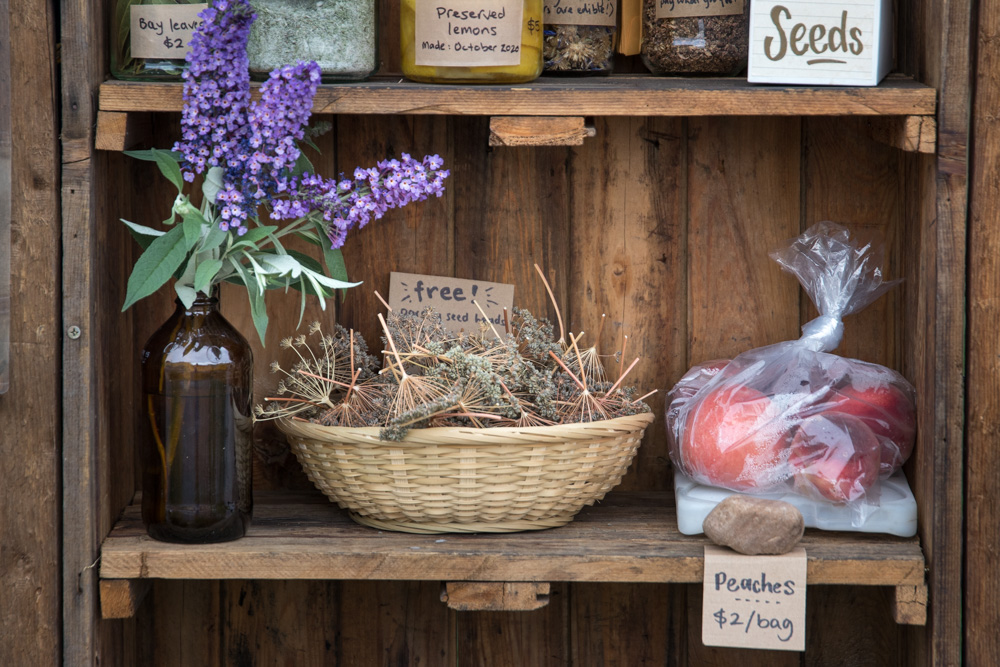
(581, 12)
(672, 9)
(162, 31)
(468, 33)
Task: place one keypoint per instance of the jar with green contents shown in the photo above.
(471, 41)
(341, 36)
(149, 38)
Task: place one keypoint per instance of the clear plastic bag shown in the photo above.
(792, 416)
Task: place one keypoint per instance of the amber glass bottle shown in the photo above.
(197, 431)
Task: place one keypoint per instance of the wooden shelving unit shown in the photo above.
(624, 95)
(629, 537)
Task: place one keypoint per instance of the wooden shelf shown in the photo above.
(622, 95)
(630, 537)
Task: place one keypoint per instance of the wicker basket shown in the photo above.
(467, 480)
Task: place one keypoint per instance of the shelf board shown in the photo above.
(621, 95)
(630, 537)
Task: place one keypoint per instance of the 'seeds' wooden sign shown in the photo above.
(456, 299)
(820, 42)
(754, 601)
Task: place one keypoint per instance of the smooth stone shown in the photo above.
(755, 526)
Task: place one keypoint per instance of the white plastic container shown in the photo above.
(895, 515)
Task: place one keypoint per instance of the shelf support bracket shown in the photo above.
(909, 605)
(121, 130)
(539, 130)
(912, 134)
(495, 595)
(121, 598)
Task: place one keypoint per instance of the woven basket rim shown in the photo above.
(470, 436)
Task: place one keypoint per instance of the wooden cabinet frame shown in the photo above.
(934, 48)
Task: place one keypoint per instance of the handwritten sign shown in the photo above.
(754, 601)
(673, 9)
(581, 12)
(163, 31)
(453, 298)
(844, 43)
(469, 33)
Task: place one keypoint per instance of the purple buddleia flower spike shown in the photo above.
(351, 204)
(216, 87)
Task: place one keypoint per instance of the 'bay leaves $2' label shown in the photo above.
(468, 33)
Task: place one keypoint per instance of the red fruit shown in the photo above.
(734, 438)
(835, 456)
(888, 412)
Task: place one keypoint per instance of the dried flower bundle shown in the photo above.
(519, 376)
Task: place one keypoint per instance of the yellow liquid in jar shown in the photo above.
(528, 69)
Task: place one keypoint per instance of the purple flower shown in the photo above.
(216, 87)
(256, 143)
(346, 204)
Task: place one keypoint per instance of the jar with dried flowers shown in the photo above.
(197, 369)
(580, 36)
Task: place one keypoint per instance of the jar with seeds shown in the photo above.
(580, 36)
(703, 37)
(341, 36)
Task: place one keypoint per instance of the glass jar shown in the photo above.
(197, 427)
(471, 41)
(695, 39)
(341, 36)
(149, 38)
(580, 36)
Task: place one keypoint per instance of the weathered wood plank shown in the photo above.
(628, 250)
(981, 616)
(120, 131)
(913, 134)
(909, 605)
(943, 30)
(121, 598)
(614, 96)
(539, 131)
(538, 638)
(30, 576)
(743, 183)
(495, 595)
(627, 624)
(392, 623)
(612, 542)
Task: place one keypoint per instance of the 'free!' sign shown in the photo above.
(455, 298)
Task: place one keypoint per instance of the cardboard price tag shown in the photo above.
(452, 297)
(754, 601)
(162, 31)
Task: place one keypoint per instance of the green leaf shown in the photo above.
(258, 311)
(193, 225)
(150, 155)
(186, 294)
(143, 235)
(170, 168)
(156, 265)
(213, 183)
(206, 271)
(216, 235)
(335, 263)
